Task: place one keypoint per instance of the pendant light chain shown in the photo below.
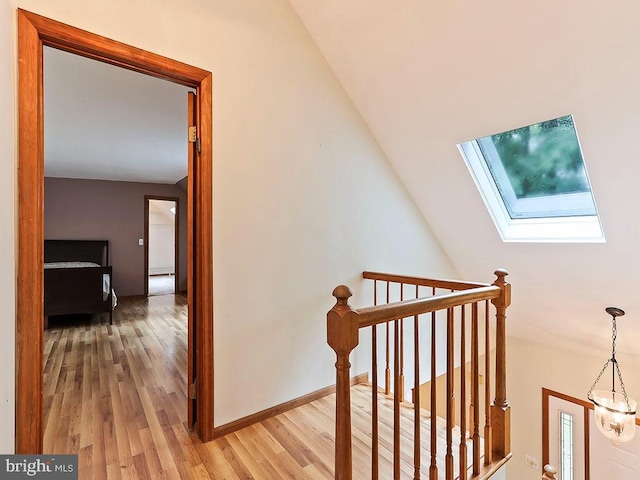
(614, 362)
(614, 335)
(606, 364)
(624, 392)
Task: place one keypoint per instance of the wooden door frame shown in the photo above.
(588, 406)
(35, 31)
(176, 236)
(546, 393)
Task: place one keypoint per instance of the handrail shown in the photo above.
(423, 281)
(343, 325)
(378, 314)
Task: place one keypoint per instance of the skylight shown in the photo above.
(534, 182)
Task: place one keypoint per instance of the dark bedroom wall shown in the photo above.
(98, 210)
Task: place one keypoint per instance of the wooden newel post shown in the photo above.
(342, 337)
(500, 409)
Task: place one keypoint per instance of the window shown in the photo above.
(566, 445)
(534, 182)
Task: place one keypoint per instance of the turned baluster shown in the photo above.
(488, 430)
(416, 396)
(401, 378)
(396, 400)
(433, 467)
(374, 393)
(387, 371)
(448, 458)
(475, 388)
(463, 396)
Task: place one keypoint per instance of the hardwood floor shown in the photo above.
(116, 396)
(161, 284)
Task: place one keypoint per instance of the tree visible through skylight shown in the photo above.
(533, 172)
(542, 159)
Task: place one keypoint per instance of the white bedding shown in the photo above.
(106, 279)
(70, 265)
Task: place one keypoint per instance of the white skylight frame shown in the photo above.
(567, 225)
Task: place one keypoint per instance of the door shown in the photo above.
(566, 424)
(191, 266)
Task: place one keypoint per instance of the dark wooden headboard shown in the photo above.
(96, 251)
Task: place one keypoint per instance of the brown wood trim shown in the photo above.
(176, 242)
(30, 286)
(241, 423)
(545, 426)
(34, 31)
(191, 349)
(390, 311)
(78, 41)
(146, 246)
(424, 282)
(552, 393)
(204, 261)
(587, 446)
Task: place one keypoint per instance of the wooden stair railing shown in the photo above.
(343, 326)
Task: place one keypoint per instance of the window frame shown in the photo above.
(569, 225)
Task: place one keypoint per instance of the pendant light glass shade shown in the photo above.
(615, 412)
(613, 417)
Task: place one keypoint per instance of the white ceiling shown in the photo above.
(160, 212)
(426, 76)
(109, 123)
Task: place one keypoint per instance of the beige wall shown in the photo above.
(532, 366)
(7, 233)
(441, 394)
(304, 198)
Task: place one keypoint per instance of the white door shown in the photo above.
(566, 439)
(612, 462)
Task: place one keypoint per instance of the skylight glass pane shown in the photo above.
(534, 183)
(539, 171)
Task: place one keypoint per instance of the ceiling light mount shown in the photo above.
(615, 412)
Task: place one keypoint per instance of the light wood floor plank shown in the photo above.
(117, 396)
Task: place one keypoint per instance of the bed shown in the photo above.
(77, 278)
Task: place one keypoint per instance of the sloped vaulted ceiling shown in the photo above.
(427, 75)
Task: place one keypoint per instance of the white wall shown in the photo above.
(162, 249)
(501, 474)
(7, 235)
(304, 199)
(532, 366)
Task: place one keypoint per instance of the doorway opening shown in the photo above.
(162, 245)
(35, 32)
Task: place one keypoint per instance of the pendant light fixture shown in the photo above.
(615, 412)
